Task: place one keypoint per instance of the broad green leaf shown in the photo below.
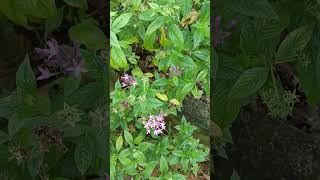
(114, 40)
(308, 82)
(176, 36)
(164, 165)
(125, 161)
(136, 3)
(314, 51)
(118, 59)
(149, 41)
(186, 6)
(249, 82)
(83, 155)
(149, 169)
(147, 15)
(252, 8)
(12, 11)
(202, 75)
(89, 35)
(125, 153)
(144, 146)
(187, 88)
(137, 72)
(3, 137)
(139, 138)
(202, 54)
(119, 143)
(120, 22)
(93, 92)
(294, 42)
(77, 3)
(25, 79)
(156, 24)
(54, 21)
(128, 137)
(198, 37)
(162, 97)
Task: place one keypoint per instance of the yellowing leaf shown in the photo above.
(162, 97)
(190, 18)
(150, 75)
(175, 102)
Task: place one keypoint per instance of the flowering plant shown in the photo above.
(159, 55)
(53, 123)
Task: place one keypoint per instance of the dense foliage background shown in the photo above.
(266, 58)
(159, 56)
(53, 88)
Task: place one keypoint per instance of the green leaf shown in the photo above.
(149, 169)
(187, 88)
(89, 35)
(93, 92)
(14, 13)
(3, 137)
(202, 75)
(137, 72)
(185, 164)
(202, 54)
(34, 164)
(128, 137)
(139, 138)
(249, 82)
(164, 165)
(198, 37)
(83, 155)
(77, 3)
(119, 143)
(118, 59)
(136, 3)
(143, 146)
(186, 6)
(294, 42)
(252, 8)
(54, 21)
(114, 40)
(162, 97)
(25, 79)
(125, 153)
(120, 22)
(147, 15)
(125, 161)
(156, 24)
(176, 36)
(308, 81)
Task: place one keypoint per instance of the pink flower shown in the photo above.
(155, 123)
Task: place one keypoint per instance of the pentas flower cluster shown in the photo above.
(59, 61)
(174, 71)
(219, 34)
(155, 124)
(127, 80)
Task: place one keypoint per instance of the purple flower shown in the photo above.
(77, 68)
(52, 51)
(45, 73)
(127, 80)
(155, 124)
(174, 71)
(60, 60)
(219, 35)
